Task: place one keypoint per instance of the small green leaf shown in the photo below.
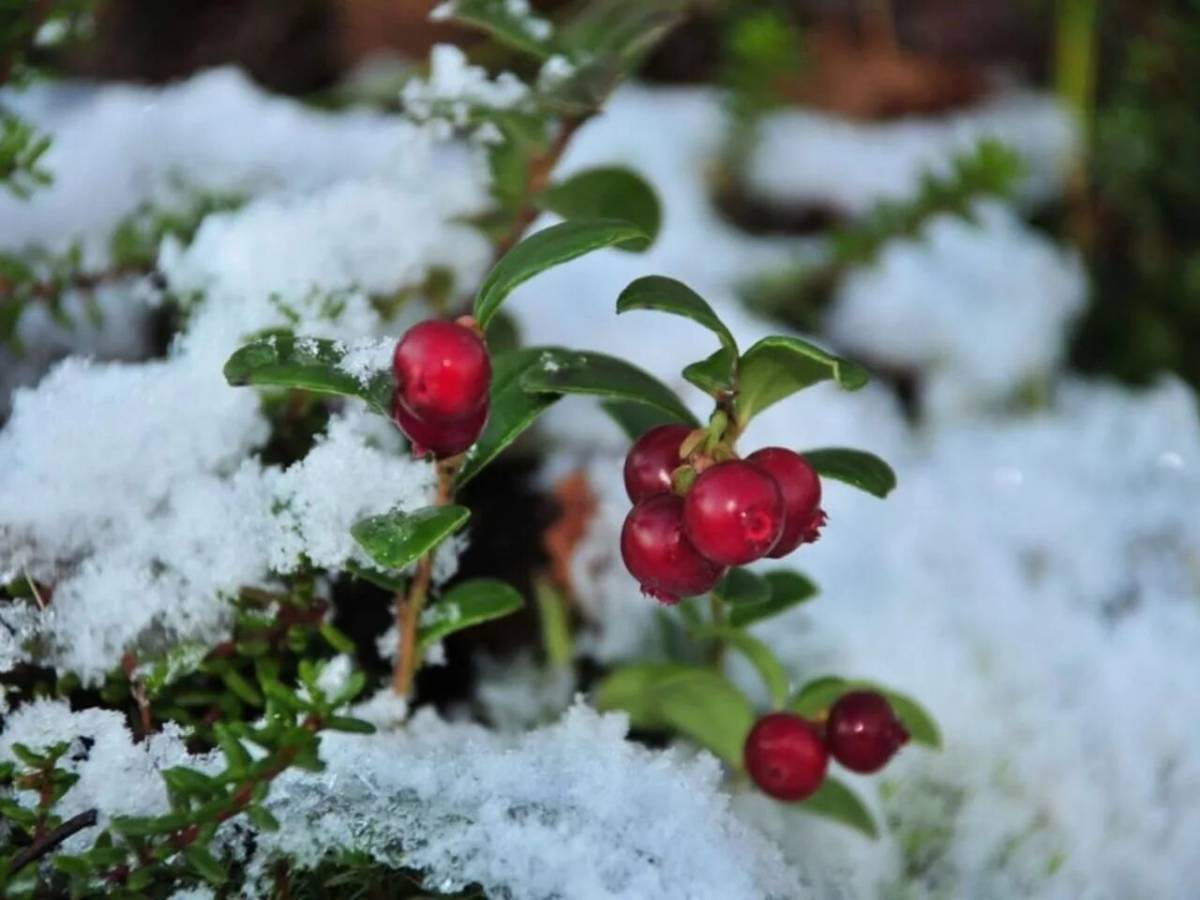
(389, 581)
(261, 819)
(611, 192)
(815, 697)
(336, 638)
(205, 864)
(236, 756)
(705, 707)
(664, 294)
(774, 676)
(742, 586)
(348, 724)
(189, 781)
(635, 419)
(862, 470)
(241, 688)
(398, 538)
(833, 800)
(919, 724)
(543, 249)
(787, 588)
(777, 367)
(631, 690)
(555, 621)
(75, 866)
(498, 18)
(312, 364)
(513, 409)
(576, 372)
(470, 603)
(144, 826)
(713, 374)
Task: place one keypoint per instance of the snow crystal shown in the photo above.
(571, 810)
(996, 278)
(804, 156)
(455, 86)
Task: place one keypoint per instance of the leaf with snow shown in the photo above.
(398, 538)
(578, 372)
(511, 22)
(469, 603)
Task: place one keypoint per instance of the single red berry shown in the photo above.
(652, 459)
(863, 732)
(801, 489)
(733, 513)
(442, 371)
(660, 557)
(442, 439)
(785, 756)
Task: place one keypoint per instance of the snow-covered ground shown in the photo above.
(1033, 580)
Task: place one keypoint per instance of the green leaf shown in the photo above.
(705, 707)
(261, 819)
(236, 756)
(777, 367)
(774, 676)
(814, 699)
(189, 781)
(205, 864)
(498, 19)
(833, 800)
(787, 588)
(513, 409)
(145, 826)
(241, 688)
(635, 419)
(607, 192)
(667, 295)
(713, 374)
(389, 581)
(311, 364)
(863, 470)
(576, 372)
(742, 586)
(348, 724)
(631, 689)
(336, 638)
(543, 249)
(397, 538)
(470, 603)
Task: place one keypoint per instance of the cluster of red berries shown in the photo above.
(787, 755)
(443, 374)
(734, 512)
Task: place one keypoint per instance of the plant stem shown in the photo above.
(411, 602)
(51, 840)
(717, 614)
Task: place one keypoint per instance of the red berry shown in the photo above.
(733, 513)
(442, 439)
(785, 756)
(862, 731)
(442, 371)
(660, 557)
(801, 489)
(652, 459)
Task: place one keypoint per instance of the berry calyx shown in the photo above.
(442, 439)
(652, 459)
(442, 371)
(734, 513)
(658, 554)
(785, 756)
(801, 489)
(863, 732)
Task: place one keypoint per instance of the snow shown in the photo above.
(455, 87)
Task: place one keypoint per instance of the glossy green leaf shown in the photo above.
(777, 367)
(513, 409)
(713, 374)
(742, 586)
(834, 800)
(543, 249)
(607, 192)
(467, 604)
(786, 588)
(620, 31)
(205, 864)
(814, 699)
(389, 581)
(863, 470)
(706, 708)
(631, 689)
(397, 538)
(657, 292)
(635, 419)
(498, 18)
(310, 364)
(577, 372)
(350, 725)
(774, 676)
